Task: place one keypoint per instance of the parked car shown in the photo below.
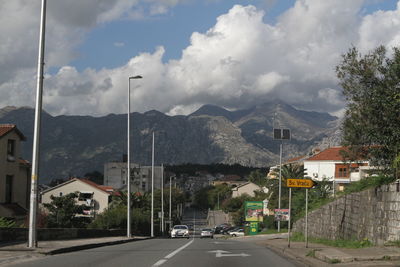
(180, 231)
(207, 232)
(226, 230)
(238, 232)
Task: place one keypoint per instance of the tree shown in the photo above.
(95, 176)
(371, 86)
(257, 177)
(63, 210)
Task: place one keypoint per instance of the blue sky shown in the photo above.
(112, 44)
(230, 53)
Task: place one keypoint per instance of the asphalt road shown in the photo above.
(168, 252)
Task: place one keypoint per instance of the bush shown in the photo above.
(369, 182)
(6, 223)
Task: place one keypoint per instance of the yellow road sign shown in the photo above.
(305, 183)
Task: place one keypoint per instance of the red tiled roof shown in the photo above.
(107, 189)
(6, 128)
(332, 153)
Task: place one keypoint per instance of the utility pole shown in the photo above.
(32, 242)
(152, 190)
(162, 199)
(170, 202)
(128, 167)
(280, 183)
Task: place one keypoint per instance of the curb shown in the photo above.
(89, 246)
(297, 260)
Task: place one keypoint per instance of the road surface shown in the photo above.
(191, 252)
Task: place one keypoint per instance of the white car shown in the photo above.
(180, 231)
(207, 232)
(238, 232)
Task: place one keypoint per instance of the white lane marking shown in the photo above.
(162, 261)
(223, 253)
(179, 249)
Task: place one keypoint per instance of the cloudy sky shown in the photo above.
(232, 53)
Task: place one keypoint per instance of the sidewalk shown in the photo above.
(322, 255)
(13, 252)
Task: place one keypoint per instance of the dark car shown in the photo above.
(225, 230)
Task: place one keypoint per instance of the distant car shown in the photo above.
(207, 232)
(180, 231)
(225, 231)
(238, 232)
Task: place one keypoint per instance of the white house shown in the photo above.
(331, 165)
(246, 188)
(95, 197)
(15, 174)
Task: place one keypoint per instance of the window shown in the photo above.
(9, 184)
(11, 150)
(342, 171)
(84, 196)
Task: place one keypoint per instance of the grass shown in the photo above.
(273, 231)
(395, 243)
(370, 182)
(333, 261)
(311, 253)
(340, 243)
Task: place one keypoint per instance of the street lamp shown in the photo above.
(32, 240)
(128, 175)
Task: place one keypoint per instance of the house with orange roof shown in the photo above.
(95, 197)
(330, 164)
(15, 174)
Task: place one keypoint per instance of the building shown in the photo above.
(95, 197)
(330, 164)
(115, 176)
(15, 174)
(246, 188)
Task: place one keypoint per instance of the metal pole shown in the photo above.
(152, 190)
(290, 214)
(280, 182)
(170, 202)
(32, 242)
(128, 166)
(162, 199)
(306, 230)
(218, 201)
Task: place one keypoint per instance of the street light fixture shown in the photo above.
(128, 175)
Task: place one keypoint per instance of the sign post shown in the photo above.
(290, 206)
(302, 183)
(306, 230)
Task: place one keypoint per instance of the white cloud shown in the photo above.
(238, 62)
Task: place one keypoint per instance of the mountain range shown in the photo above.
(75, 145)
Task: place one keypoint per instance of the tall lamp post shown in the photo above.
(152, 191)
(128, 173)
(280, 134)
(162, 199)
(32, 242)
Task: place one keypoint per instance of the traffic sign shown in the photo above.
(305, 183)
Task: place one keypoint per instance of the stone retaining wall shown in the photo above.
(373, 214)
(21, 234)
